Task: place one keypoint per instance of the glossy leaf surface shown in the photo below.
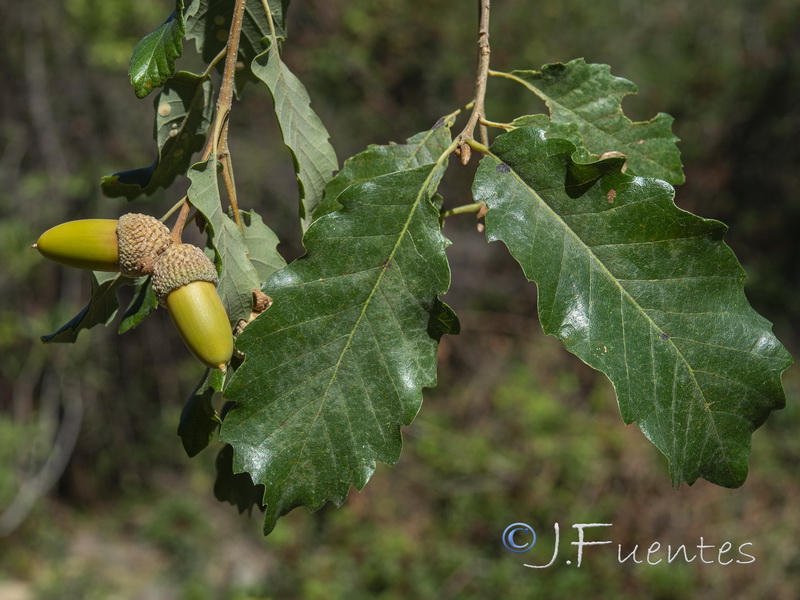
(589, 97)
(153, 59)
(337, 364)
(421, 149)
(643, 291)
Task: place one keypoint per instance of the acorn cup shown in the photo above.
(184, 281)
(130, 245)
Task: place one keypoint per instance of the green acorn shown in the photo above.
(185, 281)
(129, 245)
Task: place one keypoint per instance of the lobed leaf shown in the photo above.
(303, 132)
(421, 149)
(184, 110)
(208, 23)
(589, 96)
(153, 59)
(642, 291)
(261, 244)
(237, 275)
(199, 420)
(235, 488)
(144, 302)
(337, 364)
(564, 131)
(102, 308)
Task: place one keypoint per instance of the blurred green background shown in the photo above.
(97, 498)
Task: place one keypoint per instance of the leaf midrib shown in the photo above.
(402, 233)
(623, 291)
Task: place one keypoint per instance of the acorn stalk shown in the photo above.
(184, 281)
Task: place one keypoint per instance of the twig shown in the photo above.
(225, 98)
(227, 177)
(478, 110)
(177, 229)
(218, 140)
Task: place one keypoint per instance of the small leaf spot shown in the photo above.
(640, 142)
(222, 35)
(664, 336)
(503, 168)
(164, 109)
(611, 196)
(219, 20)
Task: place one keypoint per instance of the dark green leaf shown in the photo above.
(143, 303)
(338, 362)
(589, 96)
(153, 59)
(102, 308)
(261, 245)
(421, 149)
(184, 109)
(643, 291)
(564, 131)
(237, 275)
(199, 420)
(237, 489)
(208, 23)
(303, 133)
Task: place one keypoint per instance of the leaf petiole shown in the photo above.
(476, 145)
(172, 210)
(460, 210)
(506, 126)
(215, 61)
(273, 36)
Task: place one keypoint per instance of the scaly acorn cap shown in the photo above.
(141, 240)
(179, 265)
(184, 281)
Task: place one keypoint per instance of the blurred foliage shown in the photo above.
(516, 431)
(524, 434)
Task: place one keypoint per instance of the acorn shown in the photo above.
(185, 282)
(130, 244)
